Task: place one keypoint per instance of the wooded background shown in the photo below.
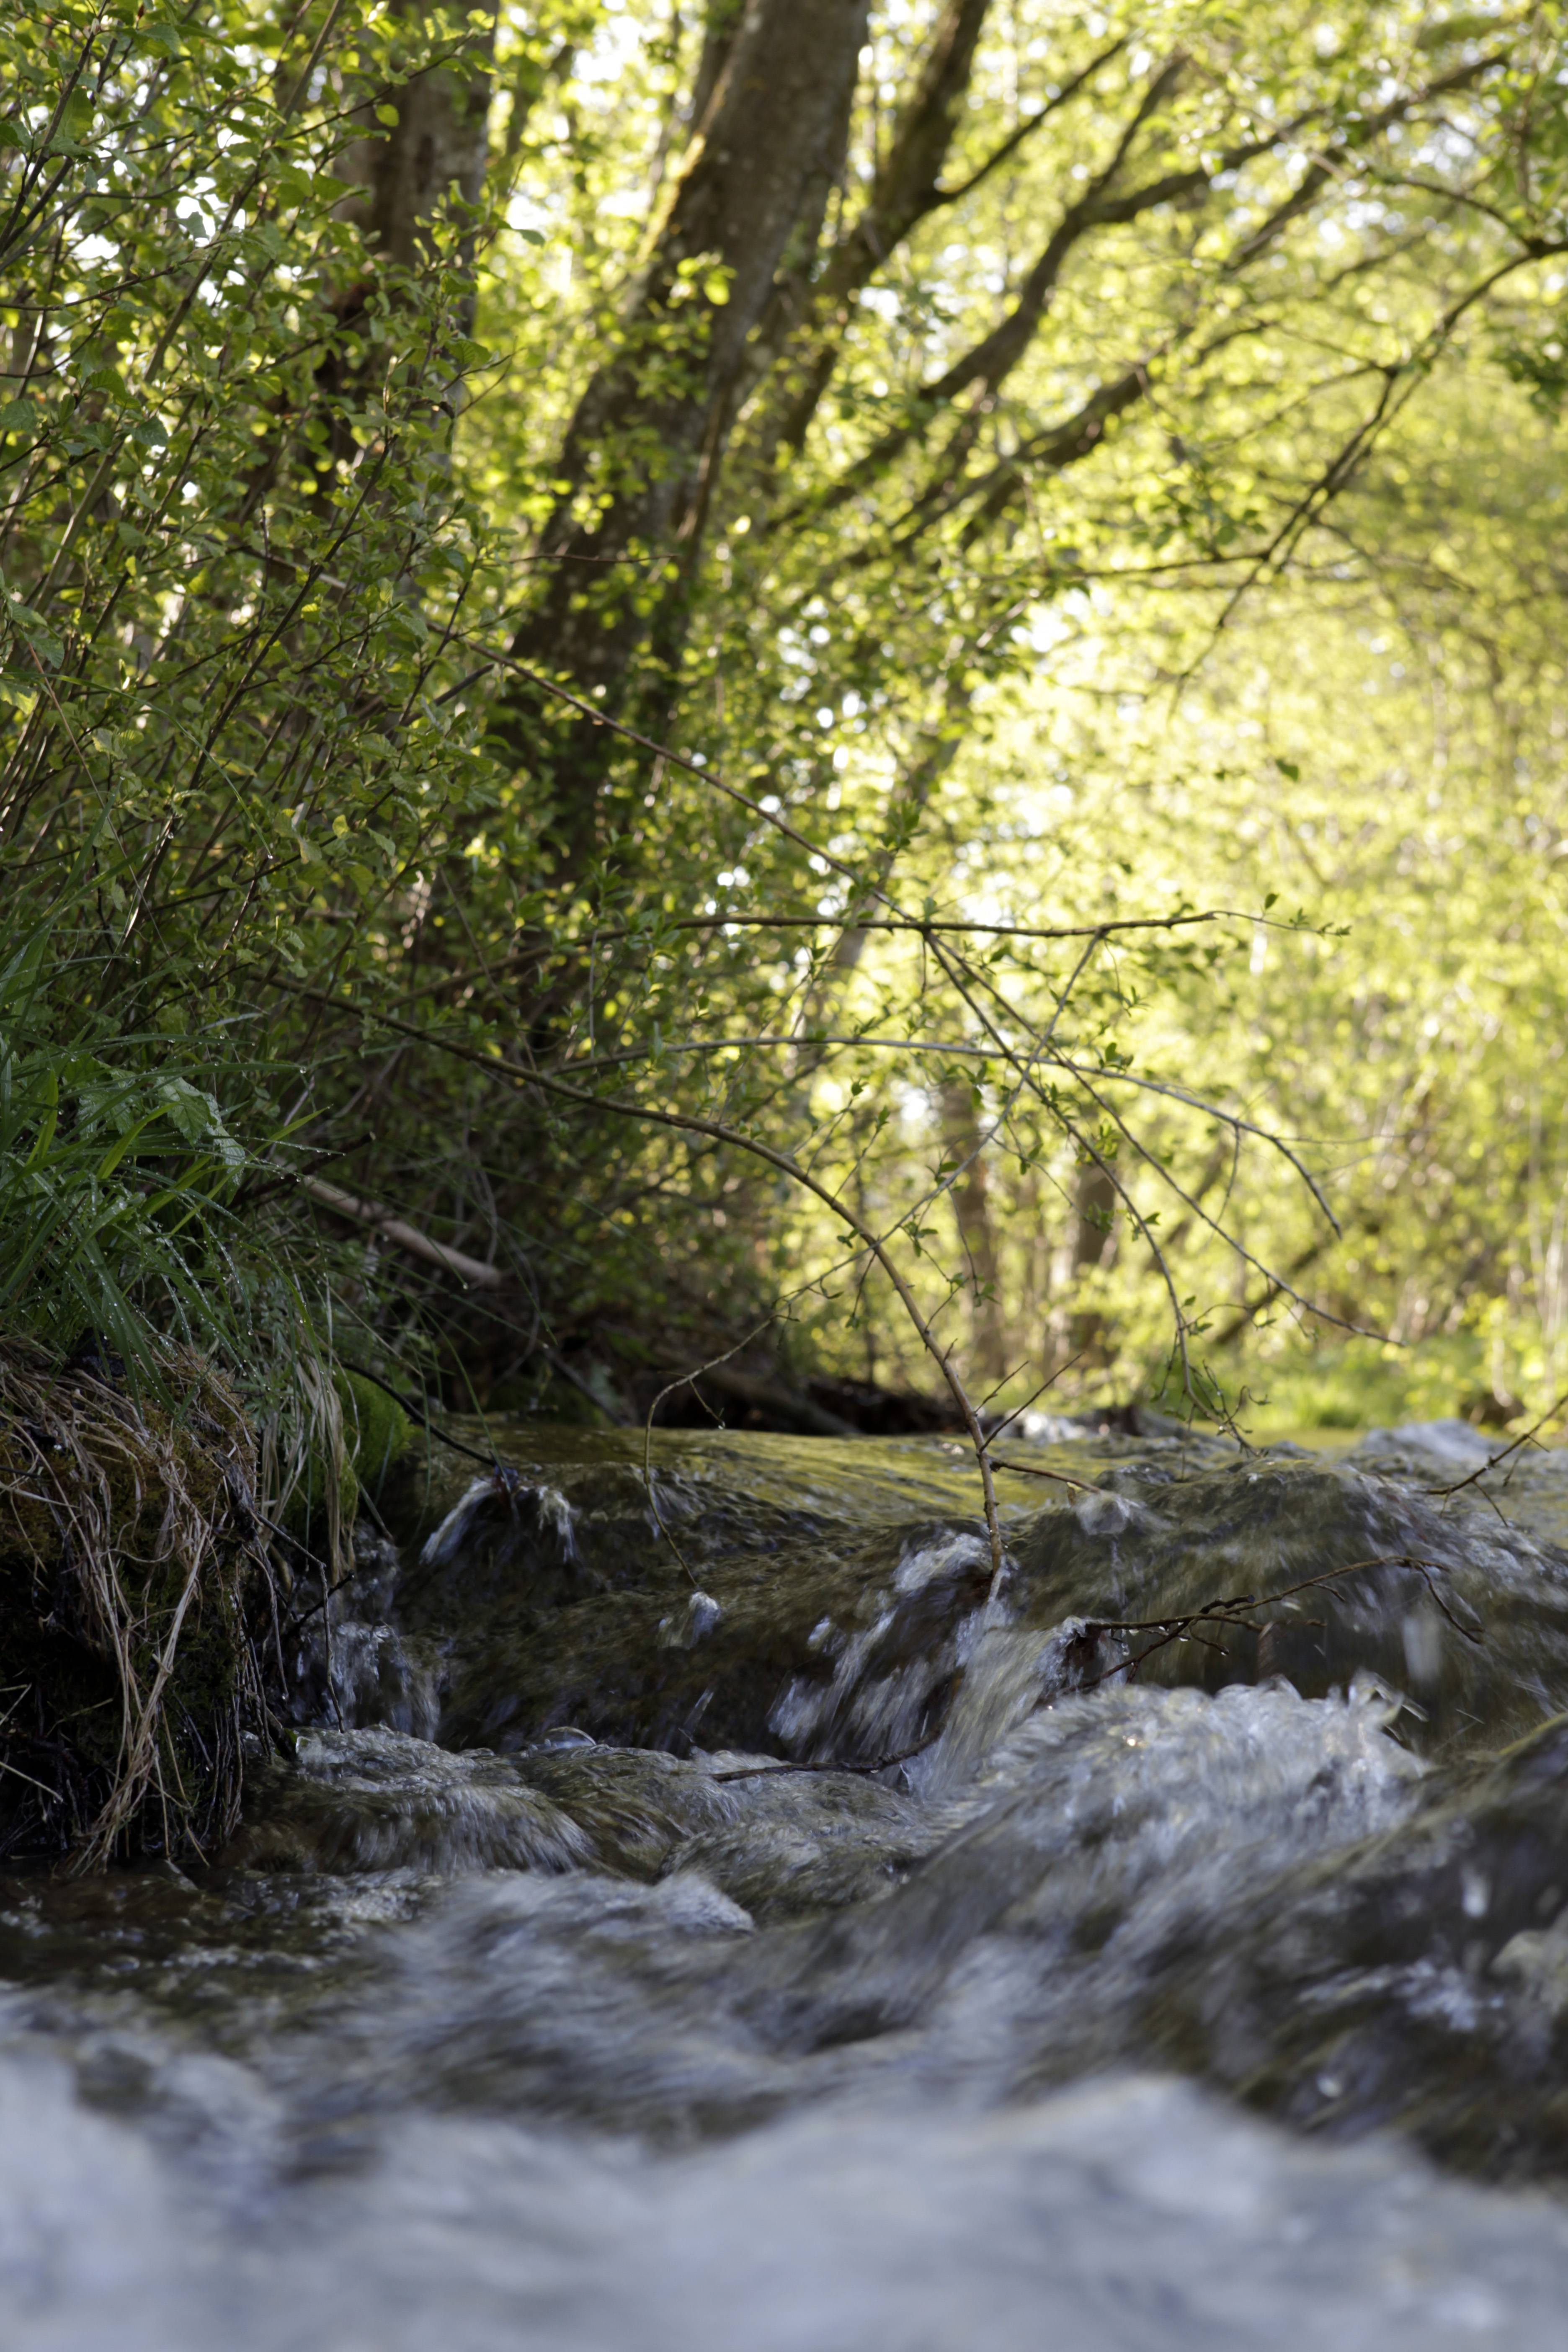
(609, 607)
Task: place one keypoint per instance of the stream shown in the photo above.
(726, 1922)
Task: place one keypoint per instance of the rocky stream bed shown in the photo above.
(734, 1925)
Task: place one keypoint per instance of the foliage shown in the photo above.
(1213, 342)
(1126, 375)
(227, 511)
(112, 1159)
(1382, 742)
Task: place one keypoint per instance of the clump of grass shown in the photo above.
(116, 1164)
(136, 1602)
(159, 1486)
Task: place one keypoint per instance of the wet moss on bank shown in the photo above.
(359, 1449)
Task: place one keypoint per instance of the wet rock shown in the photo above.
(1343, 1571)
(801, 1635)
(363, 1800)
(1063, 1857)
(835, 1616)
(635, 1806)
(1000, 1940)
(554, 1596)
(374, 1800)
(684, 1628)
(802, 1844)
(1435, 1451)
(640, 2033)
(501, 1520)
(1418, 1981)
(348, 1665)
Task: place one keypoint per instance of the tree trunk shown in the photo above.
(907, 187)
(437, 150)
(976, 1232)
(1094, 1204)
(746, 211)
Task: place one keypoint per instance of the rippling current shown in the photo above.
(725, 1922)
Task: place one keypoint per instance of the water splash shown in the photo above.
(888, 1674)
(509, 1510)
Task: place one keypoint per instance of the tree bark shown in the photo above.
(745, 209)
(976, 1231)
(437, 150)
(1094, 1204)
(733, 289)
(907, 187)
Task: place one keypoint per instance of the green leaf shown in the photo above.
(117, 1150)
(51, 1111)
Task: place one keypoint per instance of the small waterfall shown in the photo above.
(1008, 1675)
(888, 1674)
(505, 1512)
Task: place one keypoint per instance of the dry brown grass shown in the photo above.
(135, 1595)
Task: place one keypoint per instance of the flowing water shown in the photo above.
(724, 1921)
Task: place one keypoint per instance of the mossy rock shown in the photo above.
(377, 1430)
(377, 1434)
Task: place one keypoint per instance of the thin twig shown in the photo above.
(669, 1389)
(1228, 1613)
(1446, 1493)
(1034, 1470)
(490, 1460)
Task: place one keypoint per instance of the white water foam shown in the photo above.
(1130, 2215)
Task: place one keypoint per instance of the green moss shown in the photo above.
(376, 1433)
(377, 1430)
